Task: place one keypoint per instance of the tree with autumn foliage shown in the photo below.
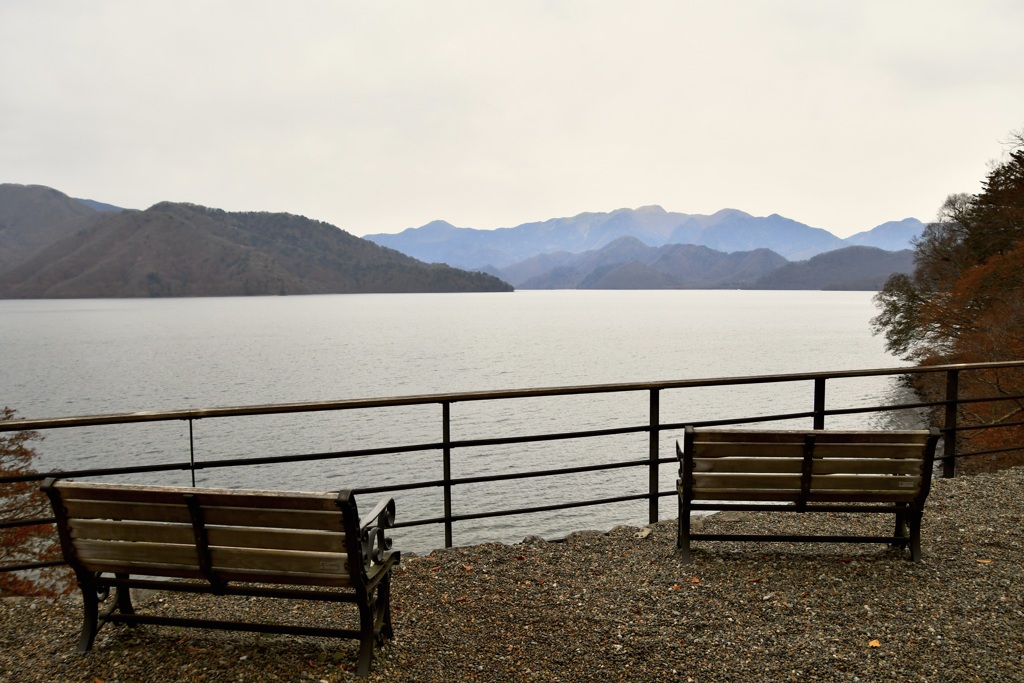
(964, 303)
(23, 501)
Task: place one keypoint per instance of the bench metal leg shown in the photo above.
(902, 533)
(90, 615)
(914, 520)
(384, 607)
(366, 640)
(683, 537)
(123, 598)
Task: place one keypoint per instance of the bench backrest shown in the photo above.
(215, 534)
(803, 466)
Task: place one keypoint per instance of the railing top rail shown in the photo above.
(351, 404)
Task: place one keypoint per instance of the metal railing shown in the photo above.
(949, 406)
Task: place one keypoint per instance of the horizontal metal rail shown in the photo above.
(354, 404)
(654, 427)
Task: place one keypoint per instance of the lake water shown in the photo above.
(85, 357)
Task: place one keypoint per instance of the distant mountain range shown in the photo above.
(53, 246)
(627, 263)
(727, 231)
(650, 248)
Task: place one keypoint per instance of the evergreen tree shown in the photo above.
(964, 303)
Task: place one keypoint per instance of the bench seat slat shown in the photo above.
(795, 450)
(763, 465)
(780, 496)
(280, 519)
(741, 481)
(770, 465)
(880, 450)
(142, 553)
(207, 496)
(782, 436)
(147, 512)
(867, 466)
(118, 530)
(287, 578)
(750, 450)
(242, 537)
(226, 516)
(282, 539)
(279, 561)
(819, 483)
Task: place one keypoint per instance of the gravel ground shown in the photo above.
(621, 607)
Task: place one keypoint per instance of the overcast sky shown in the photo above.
(377, 116)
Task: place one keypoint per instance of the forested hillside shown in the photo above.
(964, 302)
(68, 250)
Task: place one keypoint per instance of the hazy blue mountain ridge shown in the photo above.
(727, 230)
(849, 268)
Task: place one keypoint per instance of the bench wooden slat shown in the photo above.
(819, 483)
(752, 494)
(282, 539)
(156, 569)
(765, 465)
(293, 500)
(289, 578)
(144, 554)
(147, 512)
(119, 530)
(783, 482)
(708, 435)
(242, 537)
(778, 496)
(280, 519)
(867, 466)
(878, 450)
(753, 449)
(225, 516)
(280, 561)
(858, 496)
(769, 465)
(865, 482)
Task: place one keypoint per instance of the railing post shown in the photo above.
(654, 471)
(191, 453)
(446, 438)
(949, 424)
(819, 403)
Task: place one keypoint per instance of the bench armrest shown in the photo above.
(382, 515)
(376, 546)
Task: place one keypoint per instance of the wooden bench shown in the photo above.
(267, 544)
(806, 471)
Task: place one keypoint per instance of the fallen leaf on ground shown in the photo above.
(875, 643)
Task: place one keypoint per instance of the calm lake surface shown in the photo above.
(86, 357)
